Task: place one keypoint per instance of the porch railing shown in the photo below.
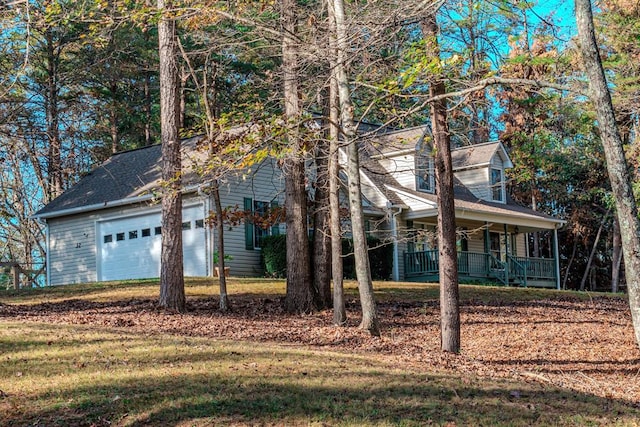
(519, 270)
(527, 269)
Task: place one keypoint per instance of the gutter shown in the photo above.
(105, 205)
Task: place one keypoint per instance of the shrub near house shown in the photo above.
(274, 258)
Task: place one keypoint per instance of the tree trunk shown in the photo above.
(587, 269)
(616, 256)
(536, 235)
(54, 158)
(321, 232)
(573, 255)
(361, 254)
(171, 271)
(616, 164)
(448, 256)
(299, 297)
(339, 310)
(113, 118)
(224, 298)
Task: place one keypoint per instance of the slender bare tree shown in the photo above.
(363, 269)
(448, 256)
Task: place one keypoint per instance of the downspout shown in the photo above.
(556, 256)
(394, 233)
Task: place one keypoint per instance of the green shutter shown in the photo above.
(248, 224)
(275, 229)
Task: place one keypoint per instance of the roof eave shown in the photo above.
(105, 205)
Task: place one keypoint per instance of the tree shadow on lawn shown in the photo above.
(380, 398)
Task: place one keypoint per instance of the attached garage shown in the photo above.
(108, 225)
(130, 247)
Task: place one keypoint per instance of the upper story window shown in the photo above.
(425, 177)
(497, 185)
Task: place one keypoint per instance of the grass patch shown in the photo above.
(56, 374)
(72, 375)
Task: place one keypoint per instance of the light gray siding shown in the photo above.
(266, 184)
(477, 181)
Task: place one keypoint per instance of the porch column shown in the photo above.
(395, 274)
(506, 253)
(556, 256)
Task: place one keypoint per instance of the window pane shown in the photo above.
(496, 184)
(260, 209)
(158, 230)
(146, 232)
(199, 223)
(133, 234)
(186, 225)
(424, 173)
(108, 238)
(120, 236)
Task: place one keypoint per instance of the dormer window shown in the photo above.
(425, 179)
(497, 185)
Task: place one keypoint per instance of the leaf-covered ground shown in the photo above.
(577, 343)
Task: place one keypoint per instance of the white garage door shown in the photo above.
(129, 248)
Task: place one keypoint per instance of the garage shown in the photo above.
(129, 247)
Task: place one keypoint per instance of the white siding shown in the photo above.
(477, 181)
(521, 244)
(476, 242)
(72, 250)
(72, 244)
(402, 169)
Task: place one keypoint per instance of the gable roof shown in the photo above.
(478, 155)
(126, 177)
(395, 142)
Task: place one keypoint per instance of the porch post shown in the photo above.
(556, 256)
(396, 259)
(487, 248)
(506, 253)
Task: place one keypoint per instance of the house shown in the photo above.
(108, 226)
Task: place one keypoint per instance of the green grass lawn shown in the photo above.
(65, 375)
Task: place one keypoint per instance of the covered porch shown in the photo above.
(487, 252)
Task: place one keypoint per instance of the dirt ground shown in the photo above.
(586, 346)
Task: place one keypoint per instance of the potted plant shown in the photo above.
(227, 270)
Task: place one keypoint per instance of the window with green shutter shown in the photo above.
(255, 232)
(248, 224)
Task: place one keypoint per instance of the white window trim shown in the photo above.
(492, 185)
(430, 176)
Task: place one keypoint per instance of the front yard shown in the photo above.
(103, 354)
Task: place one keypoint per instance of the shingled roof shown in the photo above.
(129, 175)
(476, 155)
